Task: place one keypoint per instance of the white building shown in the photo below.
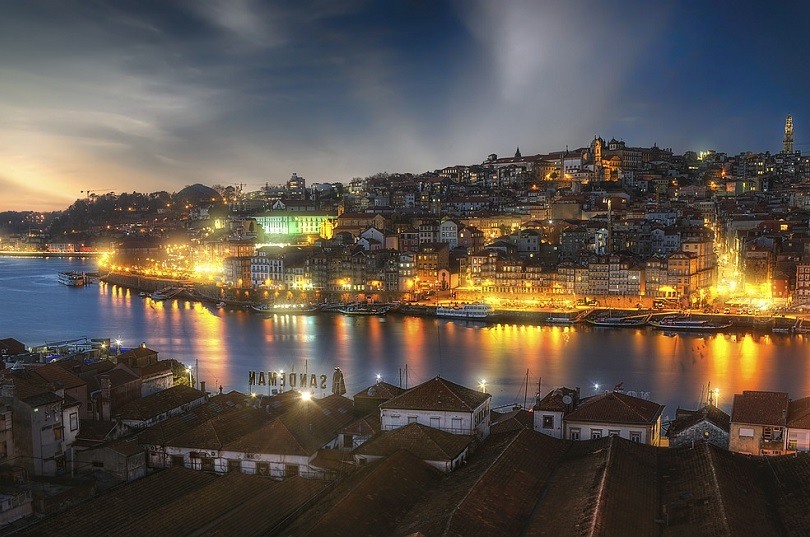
(615, 414)
(440, 404)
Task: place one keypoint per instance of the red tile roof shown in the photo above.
(438, 394)
(186, 502)
(425, 442)
(371, 501)
(380, 390)
(159, 403)
(302, 430)
(54, 373)
(760, 408)
(615, 407)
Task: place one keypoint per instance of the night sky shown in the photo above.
(125, 96)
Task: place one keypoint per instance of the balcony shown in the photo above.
(773, 446)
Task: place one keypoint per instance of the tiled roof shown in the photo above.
(216, 432)
(494, 493)
(761, 408)
(799, 414)
(54, 373)
(438, 394)
(615, 407)
(156, 369)
(370, 501)
(380, 390)
(710, 413)
(159, 403)
(176, 426)
(302, 430)
(553, 400)
(425, 442)
(367, 425)
(511, 421)
(185, 502)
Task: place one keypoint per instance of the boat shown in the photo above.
(220, 304)
(158, 295)
(560, 319)
(476, 310)
(365, 309)
(629, 321)
(142, 294)
(678, 323)
(272, 309)
(73, 279)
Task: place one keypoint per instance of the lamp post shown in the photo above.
(188, 370)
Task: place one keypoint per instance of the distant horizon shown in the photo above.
(116, 96)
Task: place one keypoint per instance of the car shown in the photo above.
(726, 311)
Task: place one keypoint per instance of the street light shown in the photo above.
(118, 346)
(483, 385)
(188, 370)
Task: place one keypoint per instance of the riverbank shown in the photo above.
(212, 294)
(8, 253)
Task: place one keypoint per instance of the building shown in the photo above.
(552, 408)
(615, 414)
(440, 404)
(798, 424)
(443, 450)
(758, 423)
(707, 424)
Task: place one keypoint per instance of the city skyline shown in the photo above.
(155, 96)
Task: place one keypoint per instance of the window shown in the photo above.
(177, 460)
(746, 432)
(596, 433)
(98, 464)
(74, 421)
(348, 441)
(612, 432)
(290, 470)
(207, 464)
(57, 433)
(435, 422)
(548, 422)
(234, 465)
(456, 424)
(412, 419)
(635, 436)
(263, 468)
(575, 434)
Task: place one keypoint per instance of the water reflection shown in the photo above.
(673, 368)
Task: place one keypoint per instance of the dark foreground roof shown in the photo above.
(185, 502)
(517, 483)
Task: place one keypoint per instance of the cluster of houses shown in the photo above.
(127, 422)
(634, 222)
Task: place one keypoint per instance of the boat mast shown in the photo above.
(526, 390)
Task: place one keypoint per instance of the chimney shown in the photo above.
(202, 386)
(106, 385)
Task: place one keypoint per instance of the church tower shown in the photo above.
(787, 143)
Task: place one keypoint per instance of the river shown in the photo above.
(225, 345)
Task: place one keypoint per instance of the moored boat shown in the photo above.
(633, 321)
(560, 319)
(73, 279)
(477, 310)
(272, 309)
(678, 323)
(365, 309)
